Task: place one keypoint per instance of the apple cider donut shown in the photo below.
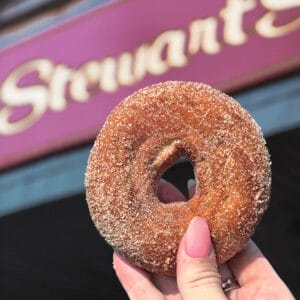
(142, 137)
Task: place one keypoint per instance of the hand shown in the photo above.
(197, 274)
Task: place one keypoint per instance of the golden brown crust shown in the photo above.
(142, 137)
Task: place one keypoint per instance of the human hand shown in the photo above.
(197, 274)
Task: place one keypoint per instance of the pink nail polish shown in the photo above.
(197, 239)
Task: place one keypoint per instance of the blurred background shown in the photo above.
(64, 65)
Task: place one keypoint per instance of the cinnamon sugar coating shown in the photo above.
(142, 137)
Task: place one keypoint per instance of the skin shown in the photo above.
(197, 274)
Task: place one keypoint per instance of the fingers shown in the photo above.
(191, 185)
(251, 268)
(167, 285)
(135, 281)
(197, 273)
(246, 264)
(168, 193)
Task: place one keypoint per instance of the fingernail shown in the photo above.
(191, 184)
(197, 239)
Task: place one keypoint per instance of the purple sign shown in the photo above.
(57, 88)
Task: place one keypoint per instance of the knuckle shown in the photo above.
(201, 279)
(202, 274)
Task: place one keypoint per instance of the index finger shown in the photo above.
(168, 193)
(135, 281)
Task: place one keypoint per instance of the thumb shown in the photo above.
(197, 273)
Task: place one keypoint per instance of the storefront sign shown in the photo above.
(57, 88)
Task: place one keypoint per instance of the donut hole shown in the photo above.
(178, 174)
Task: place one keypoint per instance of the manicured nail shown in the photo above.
(191, 183)
(197, 239)
(191, 186)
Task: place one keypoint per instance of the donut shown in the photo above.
(142, 137)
